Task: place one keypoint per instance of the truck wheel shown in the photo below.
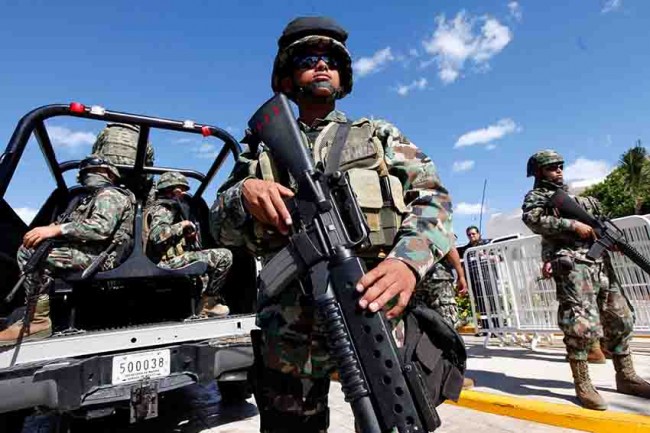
(234, 391)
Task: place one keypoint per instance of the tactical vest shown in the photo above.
(379, 194)
(174, 250)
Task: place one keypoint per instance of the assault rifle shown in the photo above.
(43, 250)
(609, 236)
(384, 394)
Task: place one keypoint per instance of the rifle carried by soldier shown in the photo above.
(43, 250)
(609, 236)
(385, 392)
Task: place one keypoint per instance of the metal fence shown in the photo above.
(512, 301)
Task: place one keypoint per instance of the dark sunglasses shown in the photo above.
(554, 167)
(92, 162)
(309, 61)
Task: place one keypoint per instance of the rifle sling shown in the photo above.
(336, 150)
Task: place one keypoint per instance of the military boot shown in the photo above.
(210, 307)
(39, 326)
(627, 381)
(585, 391)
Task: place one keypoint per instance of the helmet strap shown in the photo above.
(307, 93)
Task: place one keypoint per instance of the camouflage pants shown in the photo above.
(439, 295)
(219, 261)
(296, 364)
(592, 305)
(60, 260)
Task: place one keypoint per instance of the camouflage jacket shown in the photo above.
(558, 235)
(101, 217)
(165, 231)
(424, 235)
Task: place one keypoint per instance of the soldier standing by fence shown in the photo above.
(591, 302)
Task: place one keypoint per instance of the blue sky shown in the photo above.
(478, 85)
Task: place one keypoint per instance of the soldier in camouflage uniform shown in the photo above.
(398, 189)
(102, 216)
(173, 241)
(591, 302)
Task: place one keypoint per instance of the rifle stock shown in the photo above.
(360, 342)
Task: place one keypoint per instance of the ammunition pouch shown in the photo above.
(433, 361)
(562, 265)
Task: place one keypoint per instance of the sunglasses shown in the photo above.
(92, 162)
(309, 61)
(554, 167)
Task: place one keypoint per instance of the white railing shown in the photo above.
(509, 297)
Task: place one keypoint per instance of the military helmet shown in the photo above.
(541, 159)
(317, 32)
(172, 179)
(96, 161)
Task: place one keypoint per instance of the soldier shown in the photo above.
(103, 215)
(313, 68)
(437, 292)
(173, 241)
(591, 302)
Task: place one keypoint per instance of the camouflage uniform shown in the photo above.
(294, 339)
(105, 214)
(591, 302)
(437, 292)
(412, 225)
(169, 248)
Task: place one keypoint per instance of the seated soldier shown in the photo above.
(173, 241)
(102, 215)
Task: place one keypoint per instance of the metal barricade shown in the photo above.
(509, 297)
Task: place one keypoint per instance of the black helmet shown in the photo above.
(304, 32)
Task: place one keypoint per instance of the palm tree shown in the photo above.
(635, 167)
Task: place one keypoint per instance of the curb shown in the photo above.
(557, 414)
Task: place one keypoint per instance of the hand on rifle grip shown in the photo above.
(265, 201)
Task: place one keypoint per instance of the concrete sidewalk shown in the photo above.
(545, 375)
(537, 386)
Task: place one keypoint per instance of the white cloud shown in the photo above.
(27, 214)
(490, 133)
(464, 208)
(67, 138)
(206, 150)
(455, 42)
(491, 146)
(515, 10)
(506, 223)
(419, 84)
(611, 6)
(585, 172)
(460, 166)
(369, 65)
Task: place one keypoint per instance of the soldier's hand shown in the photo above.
(547, 270)
(583, 230)
(38, 234)
(390, 278)
(265, 201)
(462, 286)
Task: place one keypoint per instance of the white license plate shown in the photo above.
(136, 366)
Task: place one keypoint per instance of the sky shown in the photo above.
(478, 85)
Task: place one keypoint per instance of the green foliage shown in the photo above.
(625, 190)
(464, 310)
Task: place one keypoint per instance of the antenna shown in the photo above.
(480, 220)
